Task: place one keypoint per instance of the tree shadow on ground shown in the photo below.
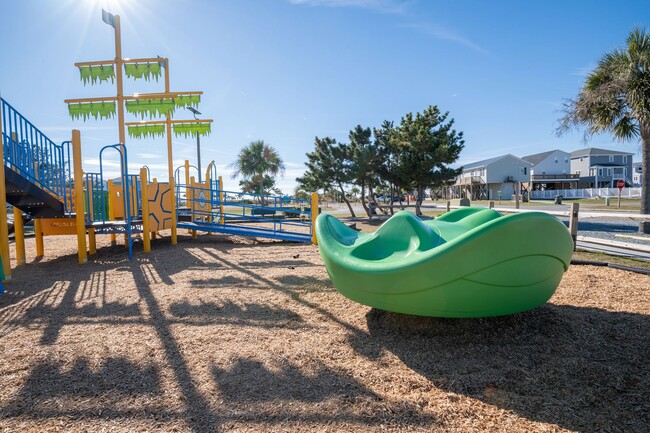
(248, 382)
(248, 314)
(584, 369)
(117, 378)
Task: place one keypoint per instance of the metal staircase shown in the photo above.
(37, 170)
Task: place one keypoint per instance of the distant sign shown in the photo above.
(620, 184)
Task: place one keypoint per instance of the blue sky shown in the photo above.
(286, 71)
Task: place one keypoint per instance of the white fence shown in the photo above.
(586, 193)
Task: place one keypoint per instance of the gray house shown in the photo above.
(601, 168)
(492, 178)
(551, 170)
(637, 175)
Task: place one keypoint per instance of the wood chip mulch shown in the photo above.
(233, 334)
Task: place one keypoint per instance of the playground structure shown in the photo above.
(45, 182)
(470, 262)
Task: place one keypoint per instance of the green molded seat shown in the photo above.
(470, 262)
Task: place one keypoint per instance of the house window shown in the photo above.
(556, 160)
(566, 159)
(611, 158)
(523, 170)
(624, 159)
(600, 172)
(578, 172)
(580, 159)
(591, 172)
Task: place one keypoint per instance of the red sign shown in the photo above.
(620, 184)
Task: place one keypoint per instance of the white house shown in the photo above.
(492, 179)
(551, 170)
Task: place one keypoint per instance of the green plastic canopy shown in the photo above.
(104, 110)
(187, 101)
(99, 73)
(151, 107)
(470, 262)
(140, 70)
(192, 129)
(146, 131)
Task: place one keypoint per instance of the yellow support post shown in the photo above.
(314, 215)
(19, 237)
(92, 243)
(192, 203)
(222, 219)
(38, 232)
(170, 159)
(4, 227)
(79, 196)
(111, 208)
(144, 187)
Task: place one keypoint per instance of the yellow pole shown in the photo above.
(19, 237)
(38, 231)
(145, 210)
(193, 204)
(222, 219)
(92, 244)
(118, 78)
(170, 159)
(154, 182)
(111, 208)
(79, 196)
(4, 227)
(314, 215)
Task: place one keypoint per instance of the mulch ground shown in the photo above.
(225, 333)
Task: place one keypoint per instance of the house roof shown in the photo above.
(487, 162)
(596, 151)
(539, 157)
(636, 164)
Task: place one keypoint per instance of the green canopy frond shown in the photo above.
(94, 74)
(187, 101)
(151, 107)
(146, 70)
(192, 129)
(103, 110)
(145, 131)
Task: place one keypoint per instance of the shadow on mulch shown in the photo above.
(249, 314)
(584, 369)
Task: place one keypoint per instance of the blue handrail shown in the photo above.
(127, 181)
(37, 158)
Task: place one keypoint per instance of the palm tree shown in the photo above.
(615, 98)
(258, 164)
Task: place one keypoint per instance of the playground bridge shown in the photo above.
(44, 181)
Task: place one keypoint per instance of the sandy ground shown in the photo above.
(225, 333)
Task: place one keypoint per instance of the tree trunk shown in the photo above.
(373, 200)
(645, 169)
(345, 199)
(363, 201)
(392, 194)
(418, 200)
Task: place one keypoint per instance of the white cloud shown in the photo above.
(444, 34)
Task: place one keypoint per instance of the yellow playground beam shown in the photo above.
(19, 237)
(144, 188)
(192, 203)
(111, 208)
(79, 196)
(38, 232)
